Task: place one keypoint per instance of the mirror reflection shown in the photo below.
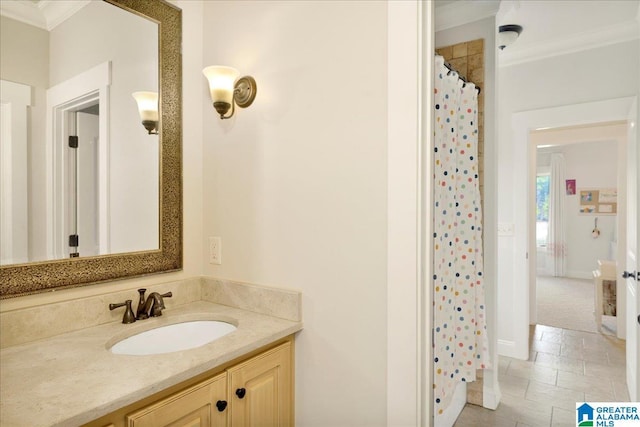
(79, 174)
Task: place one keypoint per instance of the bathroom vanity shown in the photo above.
(254, 391)
(71, 379)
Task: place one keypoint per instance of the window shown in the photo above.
(542, 209)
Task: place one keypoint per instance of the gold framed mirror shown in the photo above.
(35, 277)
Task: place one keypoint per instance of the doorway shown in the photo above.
(585, 161)
(76, 142)
(574, 234)
(83, 181)
(74, 107)
(613, 110)
(521, 245)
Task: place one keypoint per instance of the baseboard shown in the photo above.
(506, 348)
(509, 349)
(491, 398)
(575, 274)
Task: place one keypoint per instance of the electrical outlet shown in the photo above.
(215, 250)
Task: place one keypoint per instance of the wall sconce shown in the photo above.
(227, 90)
(148, 109)
(508, 34)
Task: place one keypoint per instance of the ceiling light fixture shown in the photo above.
(507, 34)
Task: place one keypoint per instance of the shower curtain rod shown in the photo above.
(460, 76)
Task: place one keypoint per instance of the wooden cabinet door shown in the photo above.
(266, 380)
(195, 406)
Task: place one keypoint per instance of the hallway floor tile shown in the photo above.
(565, 367)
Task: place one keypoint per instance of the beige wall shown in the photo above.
(295, 186)
(17, 38)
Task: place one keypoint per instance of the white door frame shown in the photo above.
(630, 256)
(14, 171)
(62, 98)
(522, 123)
(410, 88)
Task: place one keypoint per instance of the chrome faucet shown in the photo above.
(153, 306)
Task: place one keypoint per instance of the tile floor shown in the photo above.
(565, 367)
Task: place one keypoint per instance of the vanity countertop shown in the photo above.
(71, 379)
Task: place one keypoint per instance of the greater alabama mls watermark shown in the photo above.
(608, 414)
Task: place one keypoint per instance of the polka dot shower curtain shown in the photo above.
(460, 341)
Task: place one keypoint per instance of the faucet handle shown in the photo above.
(128, 317)
(167, 295)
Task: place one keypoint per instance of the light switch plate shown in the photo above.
(505, 229)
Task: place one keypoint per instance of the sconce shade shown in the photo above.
(227, 90)
(148, 109)
(221, 84)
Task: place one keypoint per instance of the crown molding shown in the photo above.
(464, 12)
(619, 33)
(26, 12)
(56, 12)
(45, 14)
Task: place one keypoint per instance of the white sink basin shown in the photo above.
(170, 338)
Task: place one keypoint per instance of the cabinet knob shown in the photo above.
(221, 405)
(627, 274)
(241, 392)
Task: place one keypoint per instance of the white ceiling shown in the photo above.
(550, 27)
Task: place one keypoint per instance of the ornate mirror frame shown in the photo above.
(23, 279)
